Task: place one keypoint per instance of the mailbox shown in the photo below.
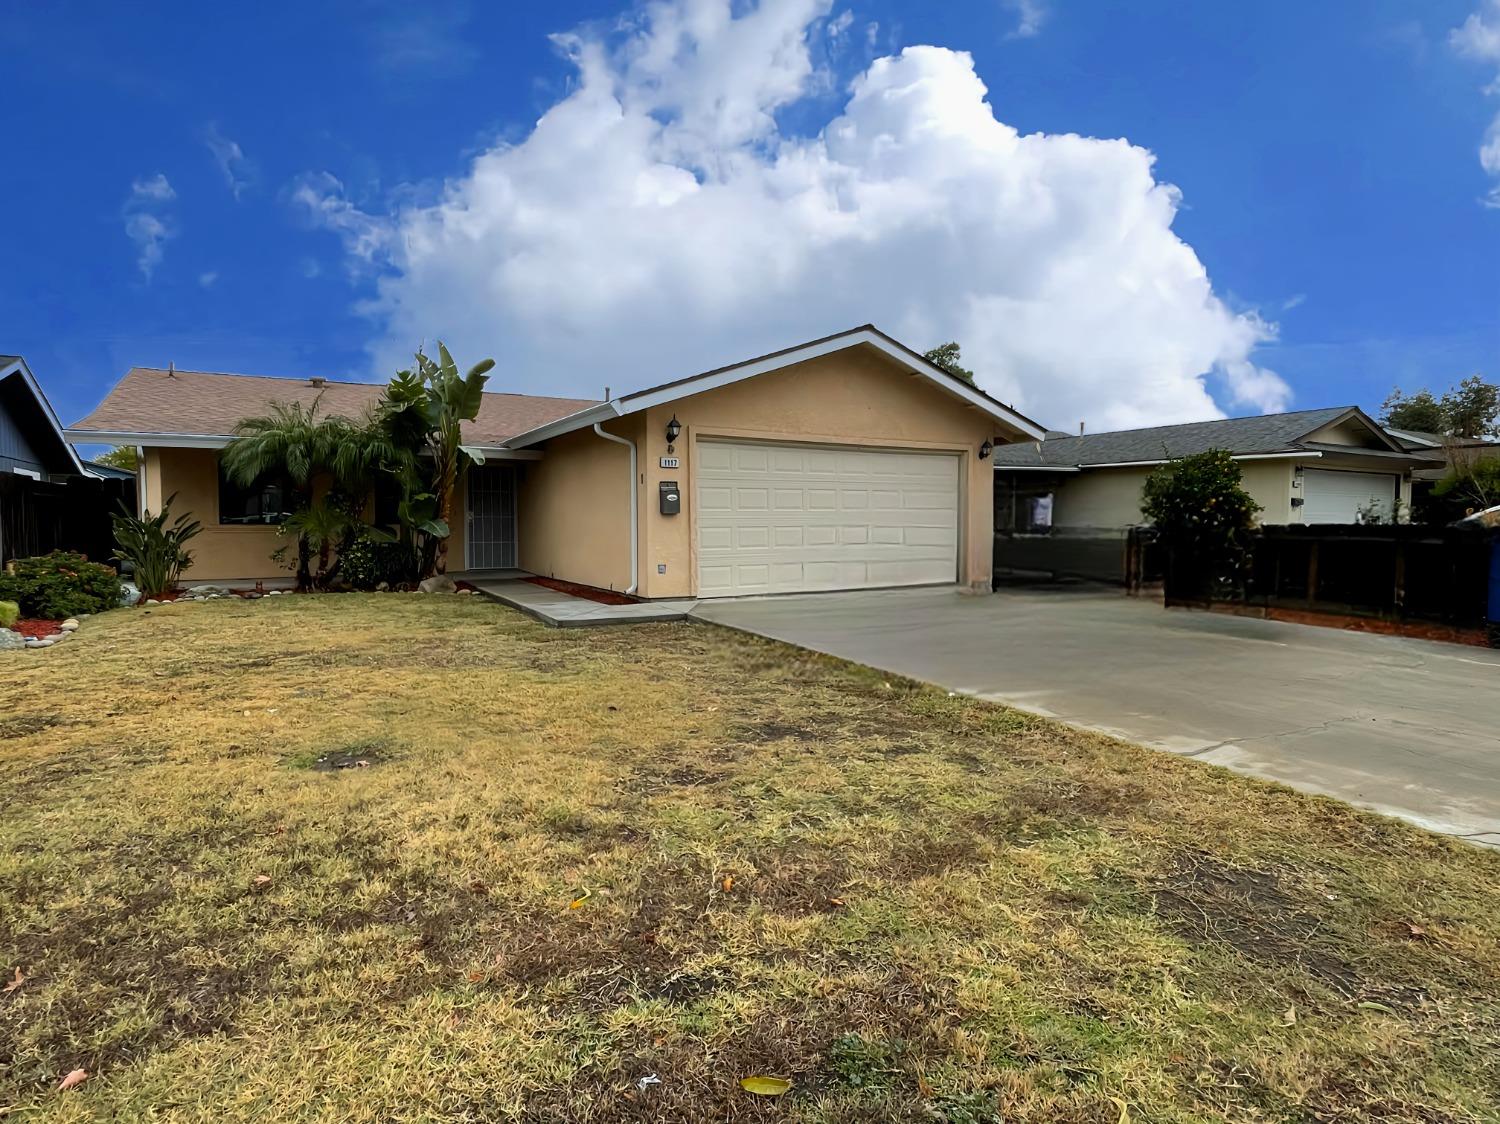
(671, 498)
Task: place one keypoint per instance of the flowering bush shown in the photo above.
(60, 585)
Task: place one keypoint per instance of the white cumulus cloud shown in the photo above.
(145, 224)
(1479, 38)
(658, 220)
(237, 170)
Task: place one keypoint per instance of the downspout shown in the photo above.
(635, 560)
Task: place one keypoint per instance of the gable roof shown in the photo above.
(19, 388)
(151, 406)
(866, 335)
(1266, 435)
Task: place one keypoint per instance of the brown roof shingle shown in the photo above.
(205, 404)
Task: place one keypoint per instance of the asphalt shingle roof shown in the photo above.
(1268, 433)
(200, 403)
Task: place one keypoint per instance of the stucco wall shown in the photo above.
(220, 553)
(230, 552)
(1111, 497)
(573, 509)
(854, 397)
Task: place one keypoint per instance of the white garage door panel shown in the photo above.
(1338, 497)
(787, 518)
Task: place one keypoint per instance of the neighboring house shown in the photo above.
(1439, 455)
(49, 499)
(847, 462)
(1334, 465)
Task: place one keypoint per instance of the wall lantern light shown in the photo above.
(674, 427)
(986, 449)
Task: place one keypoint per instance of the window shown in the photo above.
(1024, 506)
(268, 501)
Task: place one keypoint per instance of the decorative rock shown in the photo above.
(273, 593)
(438, 583)
(129, 593)
(208, 590)
(383, 587)
(70, 625)
(10, 641)
(152, 601)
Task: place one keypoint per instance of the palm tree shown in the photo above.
(293, 439)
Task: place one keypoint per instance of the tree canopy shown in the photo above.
(1470, 409)
(948, 356)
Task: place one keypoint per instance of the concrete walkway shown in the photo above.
(1406, 727)
(563, 610)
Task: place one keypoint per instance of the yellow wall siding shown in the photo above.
(1111, 497)
(573, 508)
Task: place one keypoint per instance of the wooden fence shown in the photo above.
(1435, 575)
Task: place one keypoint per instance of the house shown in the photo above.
(49, 498)
(1065, 504)
(1440, 456)
(846, 462)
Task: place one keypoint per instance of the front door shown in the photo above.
(490, 541)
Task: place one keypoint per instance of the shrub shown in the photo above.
(155, 551)
(59, 585)
(10, 613)
(1201, 512)
(365, 562)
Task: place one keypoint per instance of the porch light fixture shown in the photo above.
(986, 449)
(674, 427)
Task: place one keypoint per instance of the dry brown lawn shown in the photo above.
(913, 906)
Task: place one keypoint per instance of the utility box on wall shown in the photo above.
(671, 497)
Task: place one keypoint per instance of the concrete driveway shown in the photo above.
(1406, 727)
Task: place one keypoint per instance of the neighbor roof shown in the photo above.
(152, 403)
(16, 379)
(1266, 434)
(866, 335)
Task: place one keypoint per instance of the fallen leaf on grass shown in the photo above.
(580, 899)
(837, 903)
(262, 880)
(15, 983)
(1414, 931)
(727, 883)
(765, 1086)
(1371, 1005)
(1124, 1110)
(73, 1080)
(1290, 1017)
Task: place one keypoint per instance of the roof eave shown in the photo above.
(18, 363)
(868, 335)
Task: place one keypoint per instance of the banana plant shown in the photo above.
(423, 410)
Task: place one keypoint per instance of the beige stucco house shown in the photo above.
(1065, 504)
(846, 462)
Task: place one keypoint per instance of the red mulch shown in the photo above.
(587, 592)
(27, 626)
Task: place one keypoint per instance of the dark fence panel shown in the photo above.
(1440, 575)
(1094, 554)
(40, 516)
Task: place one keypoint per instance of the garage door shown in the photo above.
(794, 518)
(1338, 497)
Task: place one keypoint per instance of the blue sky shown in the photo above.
(290, 189)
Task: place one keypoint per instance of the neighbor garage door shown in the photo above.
(793, 518)
(1338, 497)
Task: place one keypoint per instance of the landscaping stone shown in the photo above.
(208, 591)
(70, 625)
(129, 593)
(383, 587)
(9, 641)
(438, 583)
(152, 601)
